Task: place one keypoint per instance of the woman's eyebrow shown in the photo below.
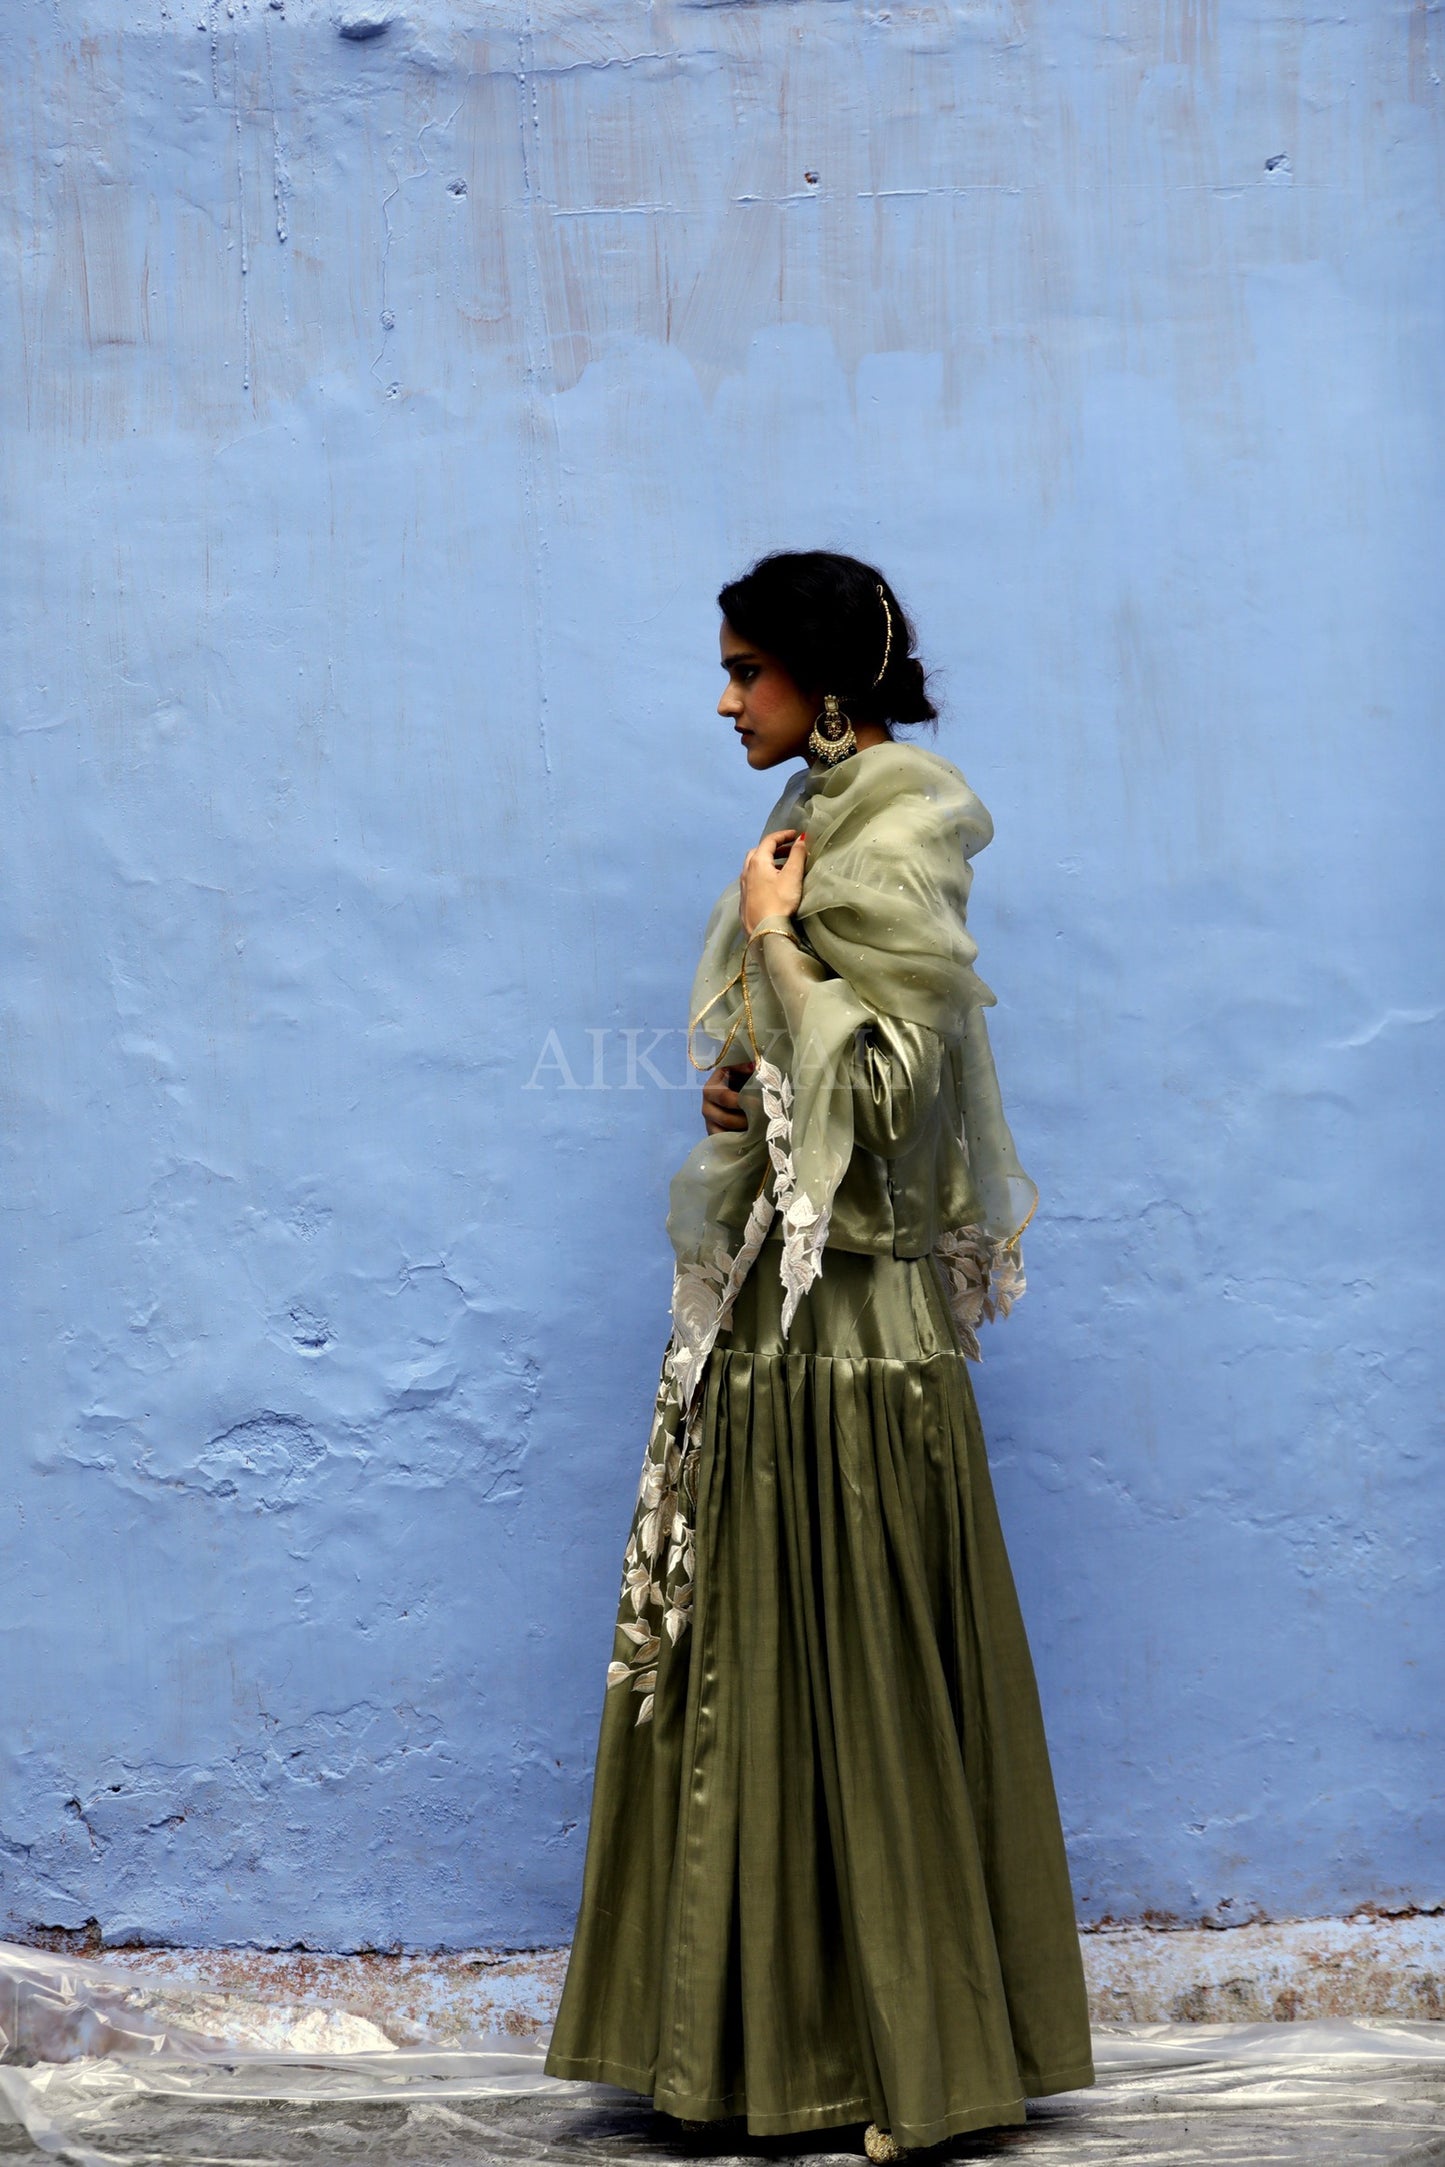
(738, 654)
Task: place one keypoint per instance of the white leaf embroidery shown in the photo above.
(982, 1278)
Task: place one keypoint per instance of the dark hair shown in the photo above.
(824, 619)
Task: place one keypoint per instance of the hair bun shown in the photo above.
(903, 694)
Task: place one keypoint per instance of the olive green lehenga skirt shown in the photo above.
(825, 1879)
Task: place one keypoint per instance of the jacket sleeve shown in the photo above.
(896, 1066)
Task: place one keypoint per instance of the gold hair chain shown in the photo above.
(887, 639)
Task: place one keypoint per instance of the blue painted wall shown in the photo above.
(381, 414)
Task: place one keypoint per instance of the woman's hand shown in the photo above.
(722, 1109)
(769, 888)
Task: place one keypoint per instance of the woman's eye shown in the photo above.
(745, 674)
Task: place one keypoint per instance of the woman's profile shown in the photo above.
(825, 1878)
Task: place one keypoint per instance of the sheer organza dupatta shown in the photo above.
(891, 835)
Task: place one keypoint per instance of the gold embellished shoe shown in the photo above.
(882, 2146)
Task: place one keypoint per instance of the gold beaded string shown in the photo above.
(739, 979)
(887, 639)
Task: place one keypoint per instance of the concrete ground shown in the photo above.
(1225, 2098)
(108, 2064)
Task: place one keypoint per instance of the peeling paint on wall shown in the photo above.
(1299, 1971)
(388, 393)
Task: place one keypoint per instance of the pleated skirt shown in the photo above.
(825, 1878)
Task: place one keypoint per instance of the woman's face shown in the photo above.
(768, 709)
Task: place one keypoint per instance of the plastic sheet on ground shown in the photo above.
(111, 2069)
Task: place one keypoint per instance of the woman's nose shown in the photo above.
(730, 703)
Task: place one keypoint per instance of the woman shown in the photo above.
(825, 1878)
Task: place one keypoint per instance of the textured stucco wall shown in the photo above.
(380, 414)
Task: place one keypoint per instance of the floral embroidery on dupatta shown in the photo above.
(658, 1564)
(982, 1278)
(805, 1227)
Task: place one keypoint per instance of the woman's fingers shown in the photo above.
(724, 1105)
(722, 1109)
(773, 850)
(772, 877)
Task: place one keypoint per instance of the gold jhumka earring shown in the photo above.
(831, 739)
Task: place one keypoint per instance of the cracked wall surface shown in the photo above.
(387, 393)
